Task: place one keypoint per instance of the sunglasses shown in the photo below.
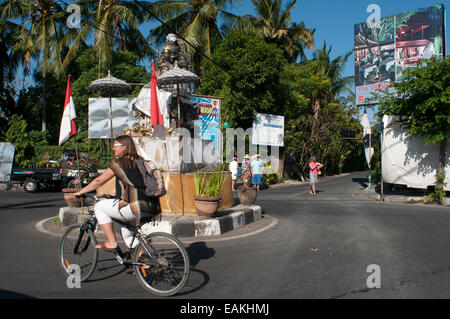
(117, 144)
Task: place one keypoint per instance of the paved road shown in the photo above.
(320, 248)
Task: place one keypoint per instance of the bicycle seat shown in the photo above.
(147, 217)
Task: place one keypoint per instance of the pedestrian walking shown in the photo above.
(246, 171)
(314, 167)
(257, 169)
(233, 168)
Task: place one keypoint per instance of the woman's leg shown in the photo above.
(111, 241)
(105, 210)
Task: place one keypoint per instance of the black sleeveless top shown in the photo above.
(130, 188)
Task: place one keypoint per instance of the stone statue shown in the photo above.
(173, 52)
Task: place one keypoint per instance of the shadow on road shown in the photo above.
(364, 182)
(6, 294)
(198, 278)
(107, 268)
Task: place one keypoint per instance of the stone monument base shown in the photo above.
(179, 199)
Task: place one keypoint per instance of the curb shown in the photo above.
(400, 199)
(184, 226)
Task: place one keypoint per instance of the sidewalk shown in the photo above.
(391, 197)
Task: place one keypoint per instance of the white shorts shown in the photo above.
(107, 209)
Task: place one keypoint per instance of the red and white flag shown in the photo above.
(156, 118)
(155, 110)
(68, 127)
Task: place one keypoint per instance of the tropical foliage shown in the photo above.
(273, 25)
(249, 61)
(196, 21)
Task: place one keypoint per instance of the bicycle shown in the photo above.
(162, 269)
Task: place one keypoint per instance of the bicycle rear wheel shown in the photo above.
(77, 248)
(163, 268)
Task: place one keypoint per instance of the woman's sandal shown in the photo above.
(103, 246)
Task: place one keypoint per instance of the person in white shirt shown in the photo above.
(233, 168)
(257, 170)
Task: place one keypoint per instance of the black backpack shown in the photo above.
(153, 178)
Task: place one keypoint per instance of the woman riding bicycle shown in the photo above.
(131, 204)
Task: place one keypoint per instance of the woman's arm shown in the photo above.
(97, 182)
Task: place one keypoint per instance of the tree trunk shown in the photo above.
(442, 160)
(281, 166)
(44, 102)
(316, 108)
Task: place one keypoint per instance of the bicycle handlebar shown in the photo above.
(96, 197)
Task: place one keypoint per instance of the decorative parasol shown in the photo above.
(177, 76)
(106, 87)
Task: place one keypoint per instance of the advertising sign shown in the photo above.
(385, 50)
(208, 122)
(122, 116)
(6, 161)
(268, 129)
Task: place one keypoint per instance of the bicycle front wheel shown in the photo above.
(161, 264)
(77, 249)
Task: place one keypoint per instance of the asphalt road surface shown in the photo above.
(333, 245)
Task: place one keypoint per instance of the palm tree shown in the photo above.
(333, 69)
(115, 26)
(274, 26)
(196, 21)
(40, 33)
(9, 63)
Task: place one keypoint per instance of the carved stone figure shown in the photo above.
(173, 52)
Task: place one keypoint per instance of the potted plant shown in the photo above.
(207, 189)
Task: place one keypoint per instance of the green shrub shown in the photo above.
(208, 183)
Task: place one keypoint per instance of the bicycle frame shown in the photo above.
(122, 258)
(136, 235)
(160, 269)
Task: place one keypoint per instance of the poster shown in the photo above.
(6, 161)
(208, 121)
(382, 53)
(99, 121)
(268, 129)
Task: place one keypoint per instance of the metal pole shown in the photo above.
(381, 159)
(111, 122)
(178, 105)
(78, 162)
(370, 171)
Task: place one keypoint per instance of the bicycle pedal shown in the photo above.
(119, 259)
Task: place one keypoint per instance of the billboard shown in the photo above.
(383, 52)
(268, 129)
